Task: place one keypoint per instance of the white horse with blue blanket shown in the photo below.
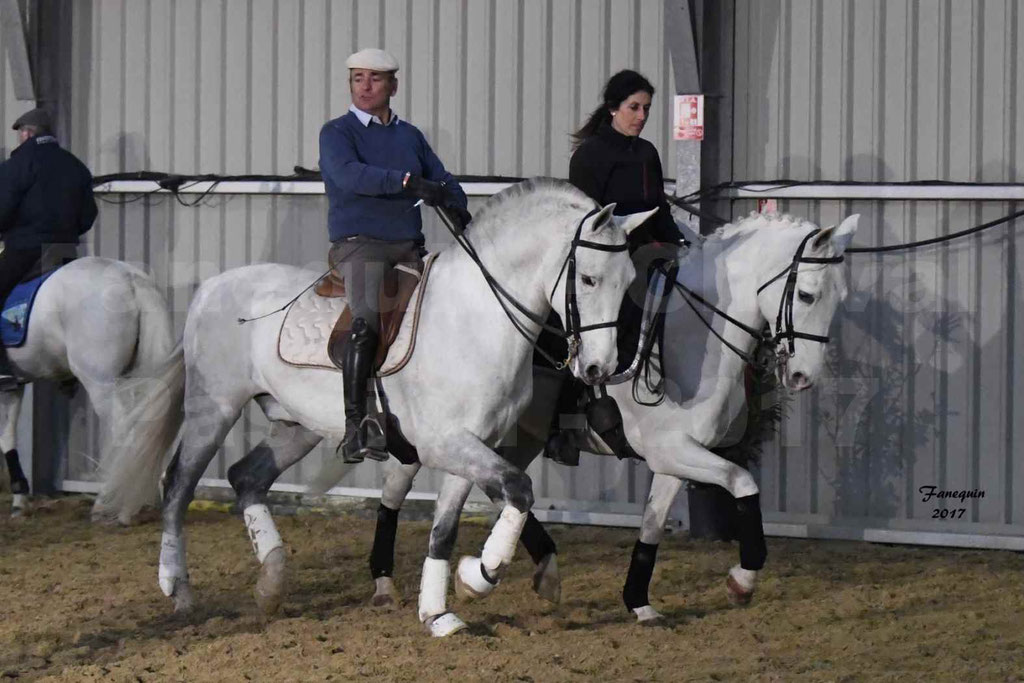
(457, 395)
(105, 324)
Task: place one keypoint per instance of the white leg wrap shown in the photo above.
(501, 544)
(445, 625)
(646, 613)
(19, 501)
(262, 531)
(172, 562)
(746, 578)
(433, 588)
(473, 579)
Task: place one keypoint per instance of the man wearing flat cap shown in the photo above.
(375, 167)
(46, 202)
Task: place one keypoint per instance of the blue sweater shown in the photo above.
(363, 168)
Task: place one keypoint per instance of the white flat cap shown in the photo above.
(373, 59)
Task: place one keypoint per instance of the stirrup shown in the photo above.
(9, 383)
(350, 454)
(374, 444)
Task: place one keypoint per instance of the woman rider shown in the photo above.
(612, 163)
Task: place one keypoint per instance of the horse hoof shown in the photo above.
(738, 595)
(386, 596)
(470, 583)
(647, 615)
(183, 598)
(270, 586)
(546, 581)
(444, 625)
(19, 505)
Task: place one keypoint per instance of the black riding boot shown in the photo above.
(561, 444)
(363, 435)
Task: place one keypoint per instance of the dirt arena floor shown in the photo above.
(80, 602)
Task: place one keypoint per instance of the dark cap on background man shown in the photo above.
(39, 118)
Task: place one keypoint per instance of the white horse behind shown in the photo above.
(743, 271)
(105, 324)
(462, 389)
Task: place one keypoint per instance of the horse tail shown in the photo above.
(156, 335)
(150, 413)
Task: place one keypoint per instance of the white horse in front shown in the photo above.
(462, 389)
(753, 272)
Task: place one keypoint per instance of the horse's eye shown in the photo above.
(805, 297)
(588, 280)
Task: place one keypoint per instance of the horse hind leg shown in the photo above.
(10, 407)
(207, 423)
(251, 478)
(397, 483)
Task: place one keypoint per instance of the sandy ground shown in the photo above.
(79, 602)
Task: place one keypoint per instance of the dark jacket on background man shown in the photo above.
(45, 196)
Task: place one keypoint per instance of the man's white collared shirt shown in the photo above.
(366, 119)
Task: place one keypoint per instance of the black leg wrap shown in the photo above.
(382, 557)
(252, 476)
(19, 484)
(536, 540)
(750, 532)
(638, 580)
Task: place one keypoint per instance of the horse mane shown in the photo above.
(540, 189)
(756, 220)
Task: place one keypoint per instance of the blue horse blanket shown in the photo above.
(17, 309)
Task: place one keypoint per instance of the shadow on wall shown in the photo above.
(905, 338)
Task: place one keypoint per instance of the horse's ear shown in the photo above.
(600, 219)
(838, 235)
(632, 221)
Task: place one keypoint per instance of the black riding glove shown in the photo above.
(430, 192)
(461, 216)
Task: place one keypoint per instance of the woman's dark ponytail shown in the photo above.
(618, 89)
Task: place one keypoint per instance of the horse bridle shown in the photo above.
(785, 332)
(574, 328)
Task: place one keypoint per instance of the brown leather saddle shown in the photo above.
(396, 289)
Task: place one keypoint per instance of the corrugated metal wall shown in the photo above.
(10, 107)
(927, 359)
(879, 91)
(237, 87)
(243, 86)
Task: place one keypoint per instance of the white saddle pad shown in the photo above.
(306, 329)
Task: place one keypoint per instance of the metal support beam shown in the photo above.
(12, 34)
(682, 41)
(881, 191)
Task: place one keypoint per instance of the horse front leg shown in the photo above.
(547, 582)
(694, 461)
(433, 610)
(466, 456)
(397, 484)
